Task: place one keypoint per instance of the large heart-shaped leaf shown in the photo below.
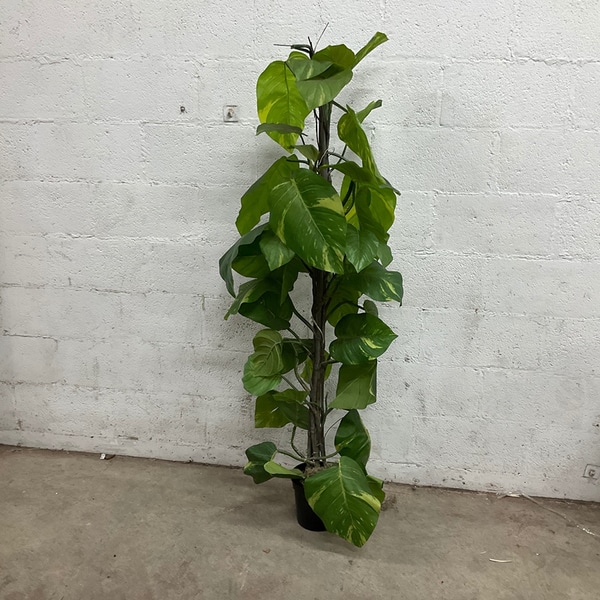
(342, 498)
(274, 250)
(227, 259)
(258, 455)
(255, 202)
(352, 439)
(249, 292)
(276, 409)
(269, 310)
(319, 80)
(377, 282)
(308, 217)
(267, 356)
(373, 210)
(263, 368)
(279, 101)
(360, 338)
(357, 386)
(340, 55)
(361, 247)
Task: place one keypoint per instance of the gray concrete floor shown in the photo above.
(73, 527)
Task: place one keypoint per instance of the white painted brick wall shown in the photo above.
(120, 183)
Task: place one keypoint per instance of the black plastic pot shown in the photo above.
(305, 515)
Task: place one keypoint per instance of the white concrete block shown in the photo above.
(38, 90)
(410, 388)
(90, 151)
(585, 96)
(200, 29)
(114, 414)
(408, 89)
(8, 418)
(540, 399)
(113, 264)
(28, 359)
(506, 95)
(470, 29)
(577, 226)
(221, 155)
(412, 229)
(435, 159)
(482, 340)
(572, 347)
(549, 30)
(115, 209)
(548, 161)
(149, 89)
(549, 287)
(509, 224)
(471, 444)
(434, 281)
(69, 27)
(61, 313)
(163, 317)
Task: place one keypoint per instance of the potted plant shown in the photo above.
(323, 216)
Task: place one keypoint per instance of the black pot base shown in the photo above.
(305, 515)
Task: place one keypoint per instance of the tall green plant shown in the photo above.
(338, 239)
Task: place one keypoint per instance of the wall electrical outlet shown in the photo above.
(592, 471)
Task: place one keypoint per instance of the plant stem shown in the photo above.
(320, 279)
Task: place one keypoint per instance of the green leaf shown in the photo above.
(351, 133)
(374, 209)
(267, 412)
(227, 259)
(341, 55)
(342, 497)
(258, 456)
(344, 301)
(360, 338)
(291, 404)
(319, 81)
(249, 292)
(384, 254)
(277, 470)
(378, 39)
(263, 368)
(308, 217)
(279, 101)
(361, 115)
(267, 356)
(377, 282)
(269, 310)
(355, 172)
(357, 386)
(376, 486)
(255, 202)
(294, 353)
(308, 151)
(370, 307)
(352, 439)
(274, 250)
(258, 384)
(361, 247)
(278, 127)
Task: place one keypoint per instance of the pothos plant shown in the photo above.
(337, 238)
